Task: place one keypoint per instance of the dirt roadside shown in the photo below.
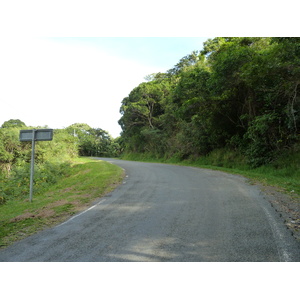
(288, 207)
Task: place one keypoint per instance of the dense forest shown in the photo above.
(241, 94)
(52, 158)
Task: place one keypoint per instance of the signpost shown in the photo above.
(32, 136)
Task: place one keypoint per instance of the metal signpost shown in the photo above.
(33, 135)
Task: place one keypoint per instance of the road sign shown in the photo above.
(32, 136)
(39, 135)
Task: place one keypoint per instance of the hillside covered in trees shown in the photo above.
(241, 94)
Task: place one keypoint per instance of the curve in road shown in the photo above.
(167, 213)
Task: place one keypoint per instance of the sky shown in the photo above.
(68, 61)
(61, 81)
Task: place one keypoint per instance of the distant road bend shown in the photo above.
(167, 213)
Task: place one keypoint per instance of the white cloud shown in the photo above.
(45, 82)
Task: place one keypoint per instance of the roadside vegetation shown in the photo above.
(283, 173)
(83, 182)
(240, 94)
(52, 158)
(234, 105)
(63, 183)
(278, 179)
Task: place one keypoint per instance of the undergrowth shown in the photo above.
(82, 182)
(283, 172)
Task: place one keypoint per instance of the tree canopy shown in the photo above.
(238, 92)
(13, 123)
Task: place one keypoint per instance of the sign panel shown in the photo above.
(40, 135)
(33, 135)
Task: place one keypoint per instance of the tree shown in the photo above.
(92, 141)
(185, 62)
(141, 114)
(13, 123)
(238, 92)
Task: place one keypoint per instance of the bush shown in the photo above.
(16, 185)
(263, 140)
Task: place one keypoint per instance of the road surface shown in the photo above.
(167, 213)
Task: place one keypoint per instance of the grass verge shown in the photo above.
(88, 180)
(279, 180)
(284, 173)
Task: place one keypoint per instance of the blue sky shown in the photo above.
(163, 52)
(61, 81)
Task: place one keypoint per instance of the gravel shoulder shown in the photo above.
(287, 206)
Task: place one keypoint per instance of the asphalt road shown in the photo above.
(167, 213)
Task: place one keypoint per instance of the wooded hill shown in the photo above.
(240, 94)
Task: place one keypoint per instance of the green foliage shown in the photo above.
(141, 116)
(16, 186)
(284, 172)
(239, 93)
(93, 141)
(51, 162)
(13, 123)
(12, 151)
(52, 158)
(263, 139)
(80, 184)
